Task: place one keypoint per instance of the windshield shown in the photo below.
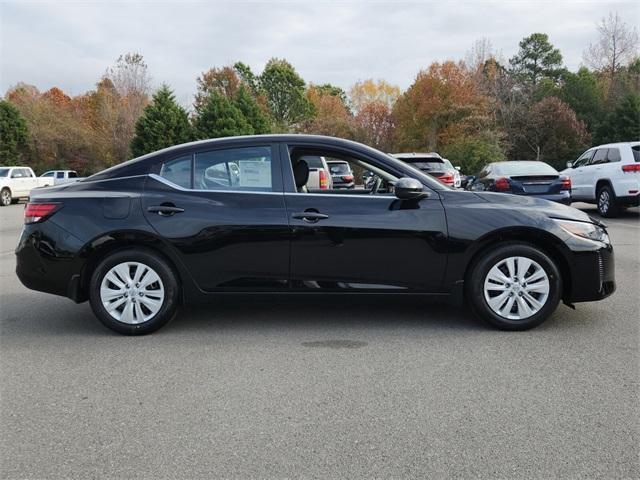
(524, 168)
(4, 172)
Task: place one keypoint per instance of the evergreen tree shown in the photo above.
(623, 124)
(13, 134)
(251, 111)
(218, 117)
(537, 59)
(163, 123)
(583, 94)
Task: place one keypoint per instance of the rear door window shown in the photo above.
(247, 168)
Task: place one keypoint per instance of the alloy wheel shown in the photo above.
(603, 201)
(6, 198)
(132, 292)
(516, 288)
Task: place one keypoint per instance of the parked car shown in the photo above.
(319, 173)
(18, 182)
(523, 177)
(61, 176)
(143, 237)
(432, 164)
(457, 178)
(607, 175)
(341, 174)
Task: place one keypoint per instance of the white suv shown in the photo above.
(607, 175)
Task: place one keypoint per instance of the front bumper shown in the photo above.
(592, 275)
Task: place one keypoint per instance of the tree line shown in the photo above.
(472, 111)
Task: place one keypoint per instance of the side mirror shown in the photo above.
(569, 165)
(409, 189)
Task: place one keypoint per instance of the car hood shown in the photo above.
(522, 202)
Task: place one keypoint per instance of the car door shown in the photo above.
(579, 175)
(357, 241)
(223, 210)
(20, 182)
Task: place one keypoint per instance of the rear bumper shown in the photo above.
(562, 197)
(629, 200)
(44, 261)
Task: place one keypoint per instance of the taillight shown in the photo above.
(632, 167)
(502, 184)
(565, 183)
(447, 179)
(347, 178)
(324, 180)
(37, 212)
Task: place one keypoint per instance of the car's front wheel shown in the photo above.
(134, 292)
(514, 287)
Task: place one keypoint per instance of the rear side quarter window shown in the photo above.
(177, 171)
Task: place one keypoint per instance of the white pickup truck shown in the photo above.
(61, 176)
(17, 183)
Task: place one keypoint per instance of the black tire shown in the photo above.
(475, 285)
(164, 271)
(5, 197)
(606, 202)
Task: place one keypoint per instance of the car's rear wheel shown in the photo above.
(514, 287)
(606, 199)
(5, 197)
(134, 292)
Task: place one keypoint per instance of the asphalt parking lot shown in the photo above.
(342, 389)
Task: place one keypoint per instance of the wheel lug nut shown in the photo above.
(141, 294)
(137, 285)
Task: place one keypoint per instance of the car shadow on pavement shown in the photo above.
(245, 313)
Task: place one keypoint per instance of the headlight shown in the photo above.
(584, 230)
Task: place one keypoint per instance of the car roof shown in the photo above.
(616, 144)
(518, 161)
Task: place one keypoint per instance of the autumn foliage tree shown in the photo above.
(331, 116)
(443, 103)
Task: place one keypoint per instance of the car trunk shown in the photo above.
(535, 184)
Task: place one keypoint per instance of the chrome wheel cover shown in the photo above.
(516, 288)
(132, 293)
(6, 197)
(603, 201)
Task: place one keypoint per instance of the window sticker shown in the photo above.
(255, 173)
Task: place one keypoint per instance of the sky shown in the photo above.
(71, 44)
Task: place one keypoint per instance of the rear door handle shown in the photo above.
(311, 217)
(165, 210)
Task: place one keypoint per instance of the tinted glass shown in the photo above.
(313, 161)
(73, 175)
(636, 153)
(59, 174)
(4, 172)
(428, 165)
(524, 168)
(600, 156)
(48, 174)
(247, 168)
(613, 155)
(584, 159)
(178, 171)
(339, 168)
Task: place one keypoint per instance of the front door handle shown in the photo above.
(310, 217)
(165, 210)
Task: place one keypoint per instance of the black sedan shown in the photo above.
(231, 215)
(523, 177)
